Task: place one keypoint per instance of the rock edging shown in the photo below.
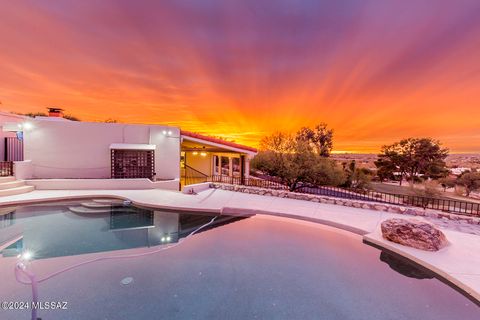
(413, 211)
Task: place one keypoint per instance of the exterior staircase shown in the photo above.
(9, 186)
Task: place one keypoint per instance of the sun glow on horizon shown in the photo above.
(241, 70)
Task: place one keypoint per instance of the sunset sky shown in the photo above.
(375, 71)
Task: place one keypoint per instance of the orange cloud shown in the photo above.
(374, 71)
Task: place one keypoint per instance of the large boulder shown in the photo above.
(414, 233)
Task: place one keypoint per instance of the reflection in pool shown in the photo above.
(66, 229)
(405, 267)
(255, 268)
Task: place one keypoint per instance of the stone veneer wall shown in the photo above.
(348, 203)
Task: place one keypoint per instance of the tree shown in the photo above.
(71, 117)
(413, 157)
(320, 138)
(361, 178)
(447, 182)
(470, 181)
(43, 114)
(295, 162)
(33, 114)
(427, 193)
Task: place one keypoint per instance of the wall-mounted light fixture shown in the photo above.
(167, 133)
(194, 153)
(203, 154)
(27, 126)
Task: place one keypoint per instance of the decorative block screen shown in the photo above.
(130, 164)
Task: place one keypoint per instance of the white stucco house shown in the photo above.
(53, 152)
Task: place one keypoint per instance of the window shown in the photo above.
(225, 166)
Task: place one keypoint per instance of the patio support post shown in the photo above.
(247, 167)
(242, 169)
(230, 166)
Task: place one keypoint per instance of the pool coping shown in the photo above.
(466, 287)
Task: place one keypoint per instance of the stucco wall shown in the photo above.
(200, 163)
(70, 149)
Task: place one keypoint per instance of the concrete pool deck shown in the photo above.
(457, 263)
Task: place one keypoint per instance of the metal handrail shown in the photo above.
(446, 205)
(193, 176)
(195, 170)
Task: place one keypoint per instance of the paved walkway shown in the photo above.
(457, 263)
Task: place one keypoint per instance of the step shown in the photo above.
(99, 205)
(17, 190)
(11, 184)
(7, 179)
(109, 201)
(85, 210)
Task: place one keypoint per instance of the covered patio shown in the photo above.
(206, 158)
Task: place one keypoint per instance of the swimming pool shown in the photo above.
(232, 268)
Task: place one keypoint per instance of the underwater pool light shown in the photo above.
(26, 255)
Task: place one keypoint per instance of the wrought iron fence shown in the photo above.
(6, 168)
(446, 205)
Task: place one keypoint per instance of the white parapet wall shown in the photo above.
(102, 184)
(23, 170)
(196, 188)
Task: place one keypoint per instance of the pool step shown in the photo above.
(16, 190)
(100, 205)
(83, 210)
(86, 210)
(108, 201)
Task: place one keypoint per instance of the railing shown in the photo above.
(193, 176)
(6, 168)
(251, 182)
(446, 205)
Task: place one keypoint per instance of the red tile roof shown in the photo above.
(216, 140)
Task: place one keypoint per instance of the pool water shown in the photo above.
(73, 228)
(252, 268)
